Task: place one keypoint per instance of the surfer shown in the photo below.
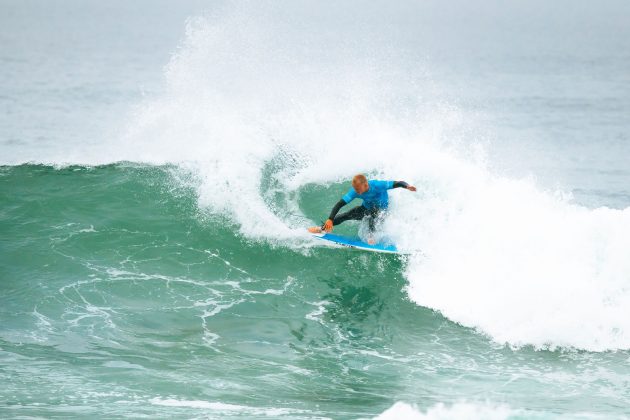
(375, 201)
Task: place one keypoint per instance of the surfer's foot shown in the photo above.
(371, 241)
(315, 229)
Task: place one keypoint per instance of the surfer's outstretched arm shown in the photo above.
(329, 223)
(336, 209)
(403, 184)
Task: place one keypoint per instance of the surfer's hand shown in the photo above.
(411, 188)
(328, 226)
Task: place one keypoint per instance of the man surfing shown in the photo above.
(375, 201)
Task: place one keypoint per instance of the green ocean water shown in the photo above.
(121, 298)
(160, 160)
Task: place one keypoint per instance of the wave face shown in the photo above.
(174, 255)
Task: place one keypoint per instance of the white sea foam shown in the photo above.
(521, 265)
(223, 407)
(472, 411)
(404, 411)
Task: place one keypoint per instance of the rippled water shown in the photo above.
(157, 175)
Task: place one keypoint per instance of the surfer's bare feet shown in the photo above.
(371, 241)
(315, 229)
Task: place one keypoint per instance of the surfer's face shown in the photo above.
(360, 187)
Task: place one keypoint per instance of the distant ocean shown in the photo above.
(159, 162)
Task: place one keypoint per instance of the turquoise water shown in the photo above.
(157, 175)
(120, 298)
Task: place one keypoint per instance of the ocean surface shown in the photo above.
(160, 160)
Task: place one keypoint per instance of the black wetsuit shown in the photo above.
(359, 212)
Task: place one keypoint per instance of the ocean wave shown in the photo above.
(520, 264)
(255, 115)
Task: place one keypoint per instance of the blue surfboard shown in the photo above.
(355, 243)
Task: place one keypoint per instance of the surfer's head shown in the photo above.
(360, 183)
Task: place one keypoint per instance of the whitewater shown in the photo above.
(516, 277)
